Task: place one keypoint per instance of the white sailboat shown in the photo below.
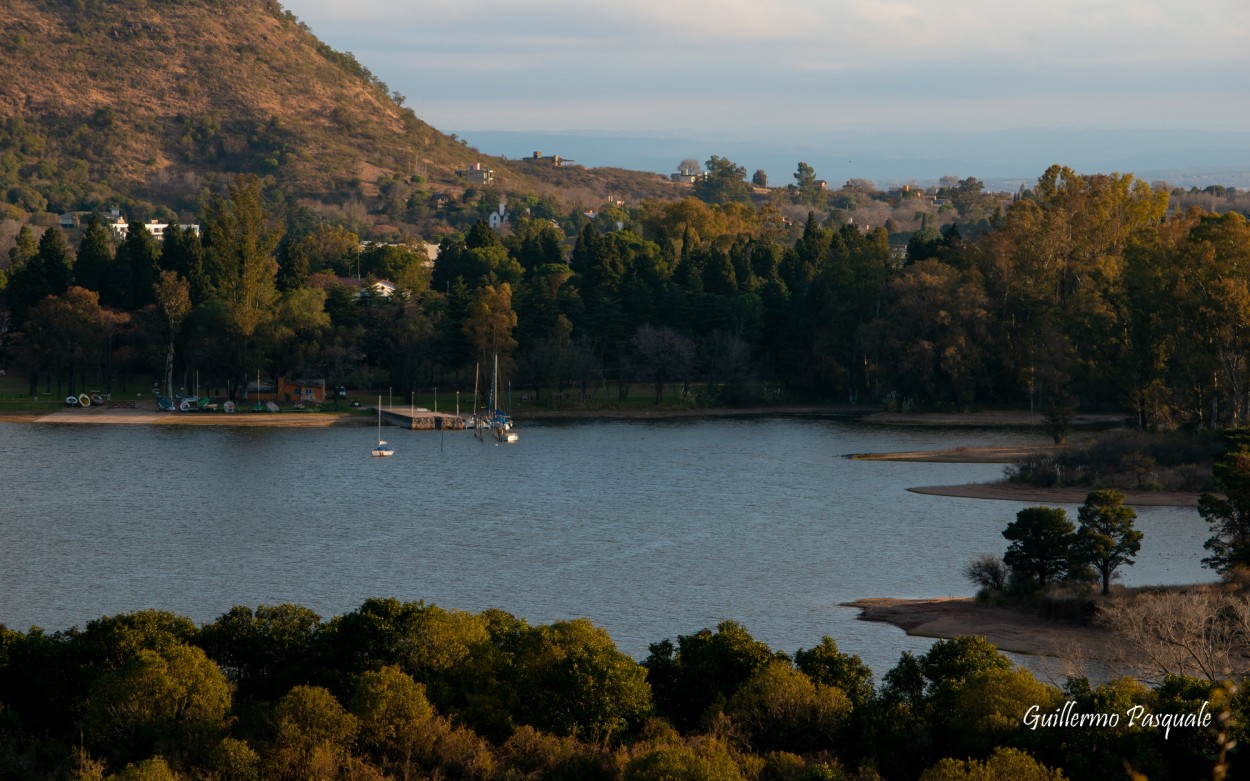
(500, 421)
(475, 422)
(381, 450)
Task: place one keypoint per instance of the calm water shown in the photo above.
(650, 529)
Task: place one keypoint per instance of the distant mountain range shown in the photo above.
(1003, 159)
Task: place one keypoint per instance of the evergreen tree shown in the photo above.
(94, 263)
(1106, 538)
(24, 248)
(183, 254)
(26, 286)
(1229, 515)
(56, 261)
(138, 266)
(294, 264)
(1041, 543)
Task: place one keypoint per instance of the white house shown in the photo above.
(381, 288)
(498, 218)
(121, 228)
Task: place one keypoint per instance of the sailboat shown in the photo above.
(500, 421)
(475, 422)
(381, 450)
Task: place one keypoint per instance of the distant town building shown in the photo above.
(686, 174)
(498, 218)
(553, 160)
(477, 173)
(312, 391)
(380, 288)
(121, 228)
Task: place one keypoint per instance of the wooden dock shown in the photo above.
(421, 419)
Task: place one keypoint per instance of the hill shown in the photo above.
(144, 104)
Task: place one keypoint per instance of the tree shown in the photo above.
(1005, 764)
(1170, 633)
(703, 671)
(94, 261)
(173, 300)
(1229, 515)
(664, 354)
(826, 665)
(725, 182)
(135, 269)
(25, 286)
(263, 652)
(313, 734)
(70, 332)
(708, 761)
(240, 267)
(56, 261)
(396, 720)
(782, 709)
(151, 769)
(1041, 543)
(35, 275)
(488, 326)
(934, 331)
(806, 189)
(175, 693)
(389, 261)
(182, 253)
(572, 680)
(987, 571)
(1106, 538)
(759, 178)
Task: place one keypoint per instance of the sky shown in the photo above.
(754, 68)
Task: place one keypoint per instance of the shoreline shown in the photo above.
(1014, 492)
(1007, 628)
(147, 417)
(988, 419)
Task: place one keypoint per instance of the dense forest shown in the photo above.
(413, 691)
(1081, 292)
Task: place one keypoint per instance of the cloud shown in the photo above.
(538, 64)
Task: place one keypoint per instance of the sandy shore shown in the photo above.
(1008, 454)
(523, 414)
(143, 417)
(989, 418)
(1010, 629)
(1013, 492)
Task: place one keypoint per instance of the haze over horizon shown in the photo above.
(805, 74)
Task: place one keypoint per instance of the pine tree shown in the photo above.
(1106, 538)
(94, 263)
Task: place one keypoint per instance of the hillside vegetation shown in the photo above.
(143, 104)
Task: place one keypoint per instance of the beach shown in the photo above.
(1009, 628)
(153, 417)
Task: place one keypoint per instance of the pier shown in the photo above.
(421, 419)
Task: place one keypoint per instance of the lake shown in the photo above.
(650, 529)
